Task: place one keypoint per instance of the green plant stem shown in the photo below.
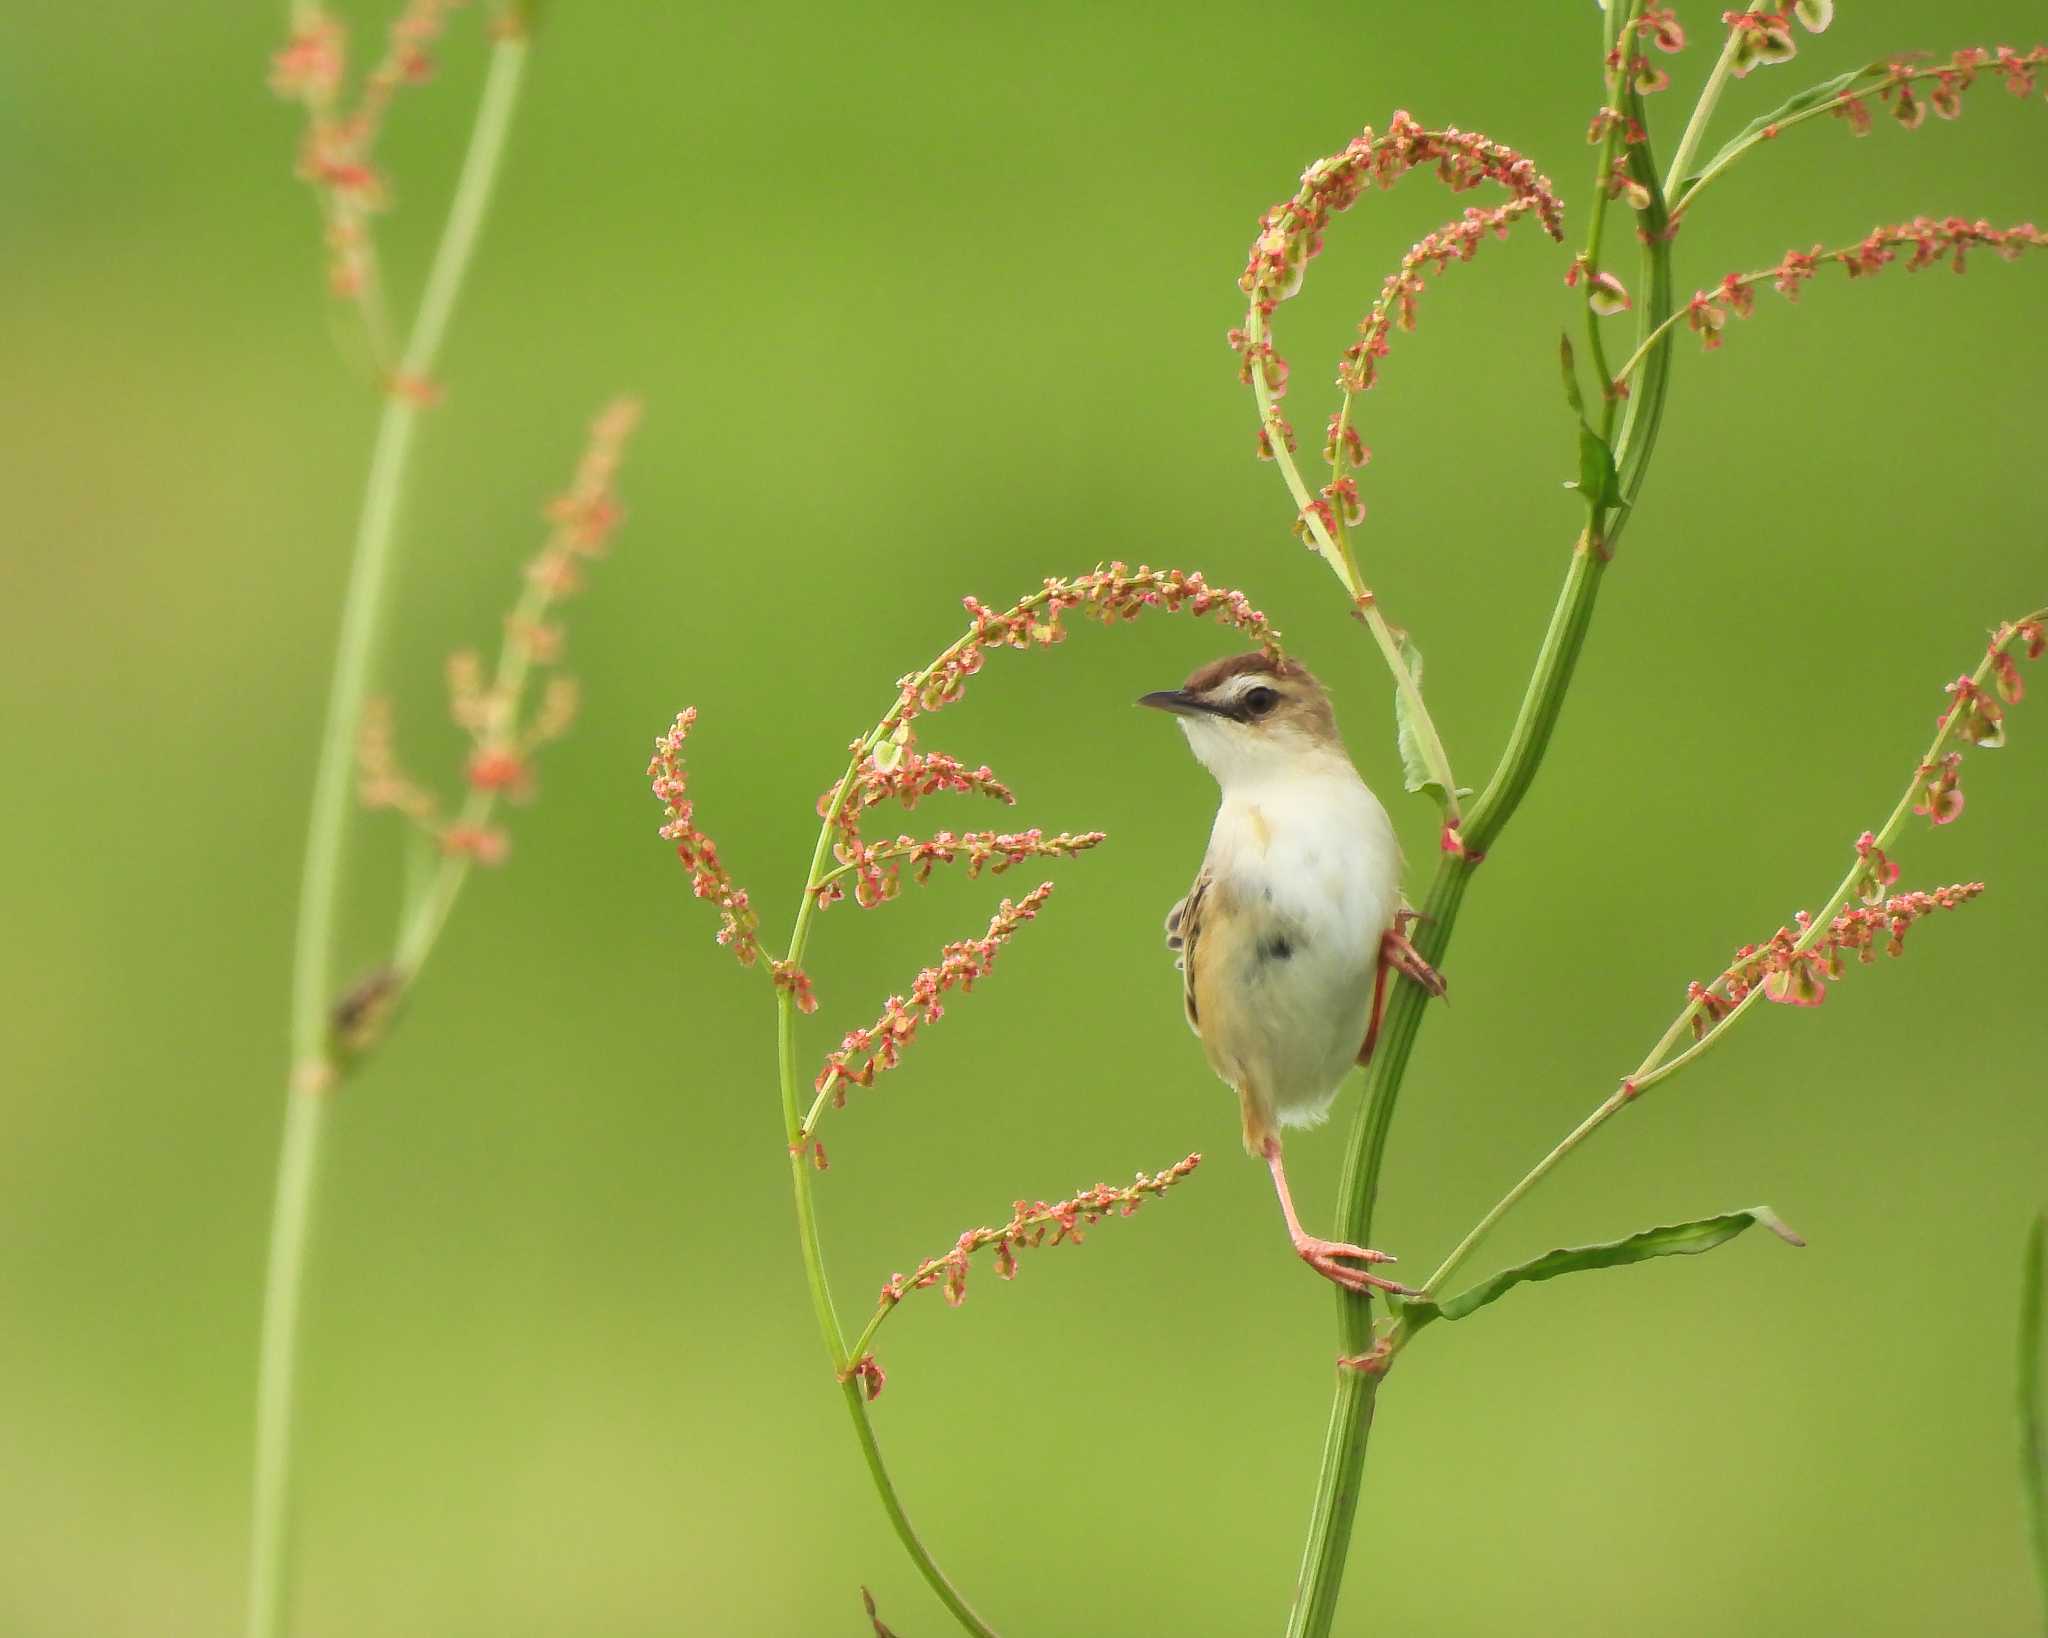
(796, 1128)
(314, 1071)
(1345, 1443)
(1702, 114)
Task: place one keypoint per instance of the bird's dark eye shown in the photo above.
(1259, 701)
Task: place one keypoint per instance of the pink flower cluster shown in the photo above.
(1925, 240)
(1765, 37)
(504, 733)
(864, 1053)
(1109, 594)
(1032, 1224)
(1660, 25)
(872, 1380)
(336, 153)
(586, 515)
(1291, 233)
(1976, 714)
(1800, 978)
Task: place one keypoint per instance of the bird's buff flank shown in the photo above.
(1294, 922)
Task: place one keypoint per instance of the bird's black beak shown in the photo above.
(1179, 701)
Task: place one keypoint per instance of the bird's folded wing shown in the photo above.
(1183, 935)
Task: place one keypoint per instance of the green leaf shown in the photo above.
(1672, 1240)
(1812, 97)
(1416, 774)
(2034, 1397)
(1597, 480)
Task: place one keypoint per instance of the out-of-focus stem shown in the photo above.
(313, 1070)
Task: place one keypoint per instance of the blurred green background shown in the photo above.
(925, 301)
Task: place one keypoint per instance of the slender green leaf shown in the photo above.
(1416, 774)
(1672, 1240)
(1805, 101)
(2034, 1398)
(1572, 395)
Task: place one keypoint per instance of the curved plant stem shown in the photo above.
(796, 1127)
(314, 1072)
(1351, 1414)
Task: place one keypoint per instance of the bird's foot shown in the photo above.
(1397, 953)
(1327, 1258)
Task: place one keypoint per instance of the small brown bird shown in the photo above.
(1290, 930)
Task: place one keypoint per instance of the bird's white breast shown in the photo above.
(1306, 868)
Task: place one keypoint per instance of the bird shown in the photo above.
(1295, 921)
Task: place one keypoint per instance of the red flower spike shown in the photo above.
(1358, 369)
(1290, 235)
(1795, 977)
(1925, 241)
(865, 1052)
(1031, 1225)
(738, 926)
(335, 153)
(876, 866)
(1110, 594)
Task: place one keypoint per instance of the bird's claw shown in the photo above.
(1326, 1258)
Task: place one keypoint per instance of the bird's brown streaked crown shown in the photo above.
(1275, 697)
(1204, 678)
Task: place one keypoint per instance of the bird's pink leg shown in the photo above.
(1396, 955)
(1325, 1256)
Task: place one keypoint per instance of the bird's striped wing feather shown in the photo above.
(1183, 935)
